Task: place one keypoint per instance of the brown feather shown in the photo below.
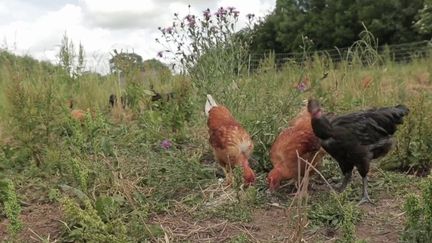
(298, 137)
(232, 145)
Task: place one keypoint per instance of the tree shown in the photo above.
(123, 62)
(331, 23)
(155, 65)
(424, 23)
(71, 62)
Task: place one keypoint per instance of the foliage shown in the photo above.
(206, 47)
(336, 212)
(12, 208)
(115, 178)
(156, 65)
(69, 60)
(86, 225)
(418, 227)
(124, 62)
(337, 23)
(241, 238)
(424, 23)
(412, 153)
(169, 182)
(33, 110)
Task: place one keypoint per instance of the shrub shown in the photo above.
(337, 212)
(34, 112)
(84, 224)
(11, 206)
(414, 138)
(206, 47)
(418, 227)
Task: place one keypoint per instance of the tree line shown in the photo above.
(296, 25)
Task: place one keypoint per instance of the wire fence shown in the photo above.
(398, 53)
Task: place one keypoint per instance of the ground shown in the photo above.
(41, 221)
(270, 221)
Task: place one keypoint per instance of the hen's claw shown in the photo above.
(365, 199)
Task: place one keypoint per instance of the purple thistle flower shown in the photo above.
(191, 20)
(301, 86)
(191, 24)
(168, 30)
(231, 9)
(221, 12)
(160, 54)
(236, 13)
(166, 144)
(250, 15)
(207, 14)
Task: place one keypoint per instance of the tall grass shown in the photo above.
(112, 176)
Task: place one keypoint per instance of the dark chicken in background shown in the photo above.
(356, 138)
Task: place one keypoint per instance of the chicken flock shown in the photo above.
(353, 140)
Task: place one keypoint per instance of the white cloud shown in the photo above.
(124, 14)
(100, 25)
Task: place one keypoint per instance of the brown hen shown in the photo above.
(78, 114)
(298, 137)
(232, 145)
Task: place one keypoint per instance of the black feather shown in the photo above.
(355, 139)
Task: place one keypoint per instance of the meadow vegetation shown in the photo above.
(147, 173)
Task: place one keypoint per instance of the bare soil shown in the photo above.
(40, 221)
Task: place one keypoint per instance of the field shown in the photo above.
(146, 173)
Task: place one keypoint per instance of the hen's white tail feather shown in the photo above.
(210, 103)
(244, 146)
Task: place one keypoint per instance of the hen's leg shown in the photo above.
(365, 198)
(363, 169)
(229, 176)
(345, 181)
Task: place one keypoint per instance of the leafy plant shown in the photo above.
(412, 153)
(11, 205)
(337, 212)
(206, 47)
(418, 227)
(85, 224)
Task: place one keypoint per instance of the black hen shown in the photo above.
(355, 139)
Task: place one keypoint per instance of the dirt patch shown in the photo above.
(383, 222)
(271, 224)
(39, 220)
(274, 224)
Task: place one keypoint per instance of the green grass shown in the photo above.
(111, 178)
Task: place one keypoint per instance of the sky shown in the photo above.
(36, 27)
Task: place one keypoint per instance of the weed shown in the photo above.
(85, 224)
(112, 177)
(412, 153)
(336, 212)
(173, 177)
(241, 238)
(11, 206)
(418, 227)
